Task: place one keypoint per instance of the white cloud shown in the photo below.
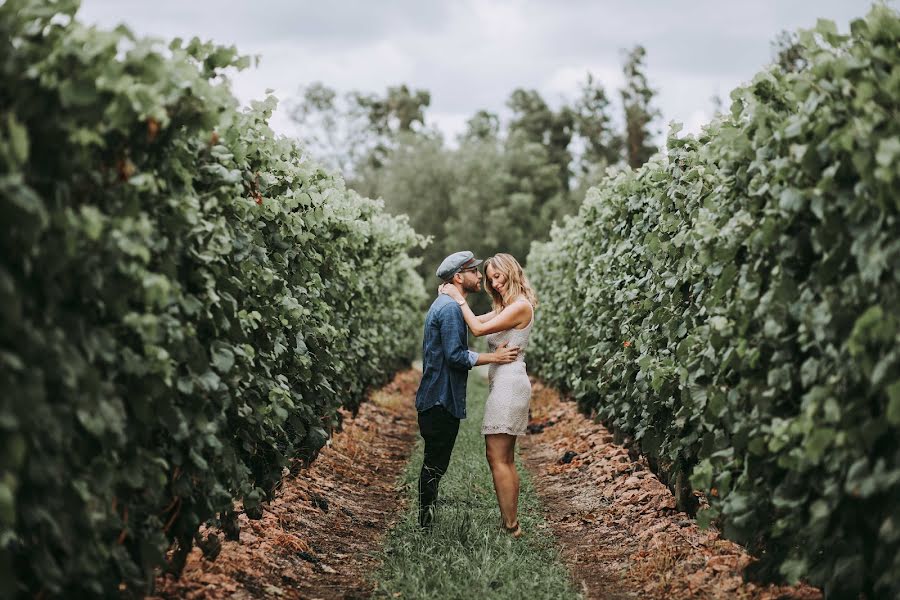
(472, 54)
(567, 81)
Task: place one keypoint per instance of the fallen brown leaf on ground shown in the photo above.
(616, 523)
(320, 537)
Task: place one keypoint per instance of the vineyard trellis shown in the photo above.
(187, 301)
(732, 307)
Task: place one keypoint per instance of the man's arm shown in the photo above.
(455, 350)
(452, 342)
(501, 356)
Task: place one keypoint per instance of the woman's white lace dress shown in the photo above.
(506, 410)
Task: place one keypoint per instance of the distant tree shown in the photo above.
(480, 219)
(356, 129)
(335, 129)
(560, 139)
(397, 111)
(531, 115)
(483, 125)
(534, 194)
(503, 187)
(416, 178)
(533, 121)
(600, 145)
(394, 114)
(478, 199)
(637, 96)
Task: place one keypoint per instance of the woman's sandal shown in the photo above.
(514, 531)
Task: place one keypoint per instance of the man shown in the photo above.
(446, 360)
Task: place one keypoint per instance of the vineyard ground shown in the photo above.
(321, 536)
(467, 555)
(616, 523)
(599, 524)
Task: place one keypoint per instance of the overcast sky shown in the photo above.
(471, 54)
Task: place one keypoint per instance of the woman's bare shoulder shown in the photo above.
(520, 308)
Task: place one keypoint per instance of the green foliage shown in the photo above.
(593, 125)
(534, 123)
(397, 111)
(787, 51)
(490, 194)
(186, 301)
(355, 131)
(416, 180)
(483, 125)
(734, 308)
(495, 192)
(637, 96)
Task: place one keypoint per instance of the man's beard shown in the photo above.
(473, 288)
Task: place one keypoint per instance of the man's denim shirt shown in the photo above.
(446, 358)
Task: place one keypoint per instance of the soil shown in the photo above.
(616, 523)
(321, 536)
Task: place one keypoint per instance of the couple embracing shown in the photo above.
(446, 360)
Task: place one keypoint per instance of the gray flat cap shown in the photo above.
(455, 263)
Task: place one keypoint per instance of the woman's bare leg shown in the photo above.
(500, 450)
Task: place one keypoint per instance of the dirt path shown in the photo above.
(620, 534)
(615, 523)
(320, 537)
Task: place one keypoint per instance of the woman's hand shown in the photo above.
(450, 290)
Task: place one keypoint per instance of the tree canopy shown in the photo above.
(504, 182)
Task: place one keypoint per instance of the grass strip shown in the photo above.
(467, 555)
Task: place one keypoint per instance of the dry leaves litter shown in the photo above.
(320, 536)
(616, 522)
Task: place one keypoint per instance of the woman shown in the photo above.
(506, 411)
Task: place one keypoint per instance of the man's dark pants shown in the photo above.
(438, 428)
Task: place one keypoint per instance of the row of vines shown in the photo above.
(733, 308)
(186, 302)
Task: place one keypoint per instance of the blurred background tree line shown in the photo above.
(503, 184)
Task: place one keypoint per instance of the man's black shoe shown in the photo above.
(426, 517)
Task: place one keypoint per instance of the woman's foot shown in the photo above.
(513, 530)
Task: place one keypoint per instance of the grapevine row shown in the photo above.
(187, 300)
(732, 308)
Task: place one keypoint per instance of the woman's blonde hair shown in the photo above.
(516, 282)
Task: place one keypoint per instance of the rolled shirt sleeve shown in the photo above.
(473, 358)
(453, 339)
